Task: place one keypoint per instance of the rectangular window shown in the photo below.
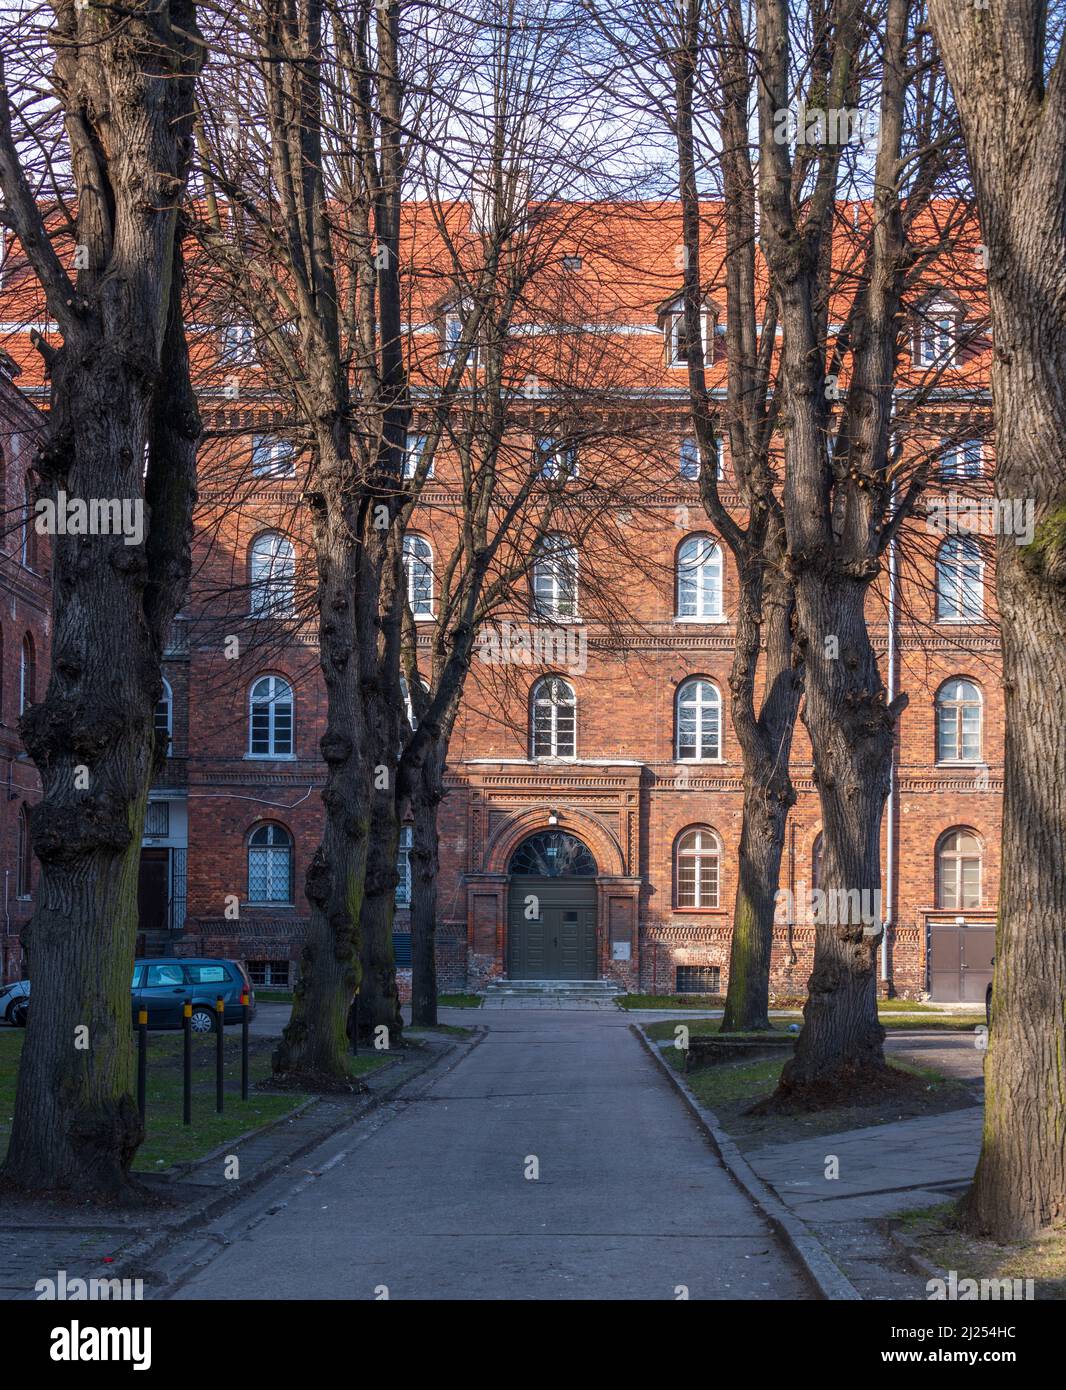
(403, 868)
(401, 949)
(698, 979)
(157, 819)
(273, 973)
(416, 445)
(236, 350)
(209, 974)
(272, 457)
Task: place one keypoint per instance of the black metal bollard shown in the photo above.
(246, 1009)
(186, 1078)
(220, 1006)
(142, 1059)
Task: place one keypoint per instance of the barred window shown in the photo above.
(403, 867)
(698, 979)
(418, 566)
(554, 732)
(270, 718)
(270, 876)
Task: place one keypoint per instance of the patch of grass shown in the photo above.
(732, 1088)
(453, 1030)
(167, 1139)
(940, 1239)
(906, 1006)
(273, 996)
(459, 1001)
(665, 1029)
(670, 1001)
(958, 1023)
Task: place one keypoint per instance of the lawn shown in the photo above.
(167, 1140)
(670, 1001)
(941, 1241)
(459, 1001)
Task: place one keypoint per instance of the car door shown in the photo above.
(164, 991)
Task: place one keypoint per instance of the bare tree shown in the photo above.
(97, 211)
(1007, 66)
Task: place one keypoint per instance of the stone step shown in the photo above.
(584, 988)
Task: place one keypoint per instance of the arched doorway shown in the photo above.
(551, 914)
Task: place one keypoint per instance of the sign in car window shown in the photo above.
(209, 974)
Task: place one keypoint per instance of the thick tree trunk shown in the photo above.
(120, 395)
(314, 1046)
(425, 866)
(1007, 80)
(851, 730)
(379, 1002)
(762, 840)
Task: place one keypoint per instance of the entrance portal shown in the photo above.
(551, 915)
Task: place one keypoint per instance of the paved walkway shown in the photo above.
(435, 1199)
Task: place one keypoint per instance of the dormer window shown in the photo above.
(672, 319)
(690, 458)
(571, 262)
(272, 457)
(237, 347)
(554, 459)
(453, 322)
(936, 341)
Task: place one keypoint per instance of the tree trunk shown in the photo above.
(851, 731)
(425, 866)
(379, 1000)
(314, 1046)
(1008, 85)
(122, 424)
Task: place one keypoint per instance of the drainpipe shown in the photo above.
(890, 847)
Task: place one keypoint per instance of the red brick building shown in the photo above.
(24, 645)
(615, 760)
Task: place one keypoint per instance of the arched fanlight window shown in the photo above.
(418, 567)
(553, 854)
(164, 718)
(958, 869)
(958, 722)
(270, 865)
(27, 673)
(272, 576)
(270, 718)
(699, 721)
(554, 731)
(697, 863)
(24, 861)
(555, 578)
(959, 581)
(699, 579)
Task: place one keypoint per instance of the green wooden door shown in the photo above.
(552, 929)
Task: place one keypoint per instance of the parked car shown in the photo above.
(163, 985)
(13, 1002)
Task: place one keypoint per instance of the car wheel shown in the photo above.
(17, 1014)
(202, 1020)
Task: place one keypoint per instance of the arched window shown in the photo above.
(24, 863)
(29, 528)
(270, 878)
(697, 857)
(817, 861)
(418, 567)
(699, 721)
(554, 733)
(164, 718)
(270, 711)
(555, 578)
(959, 581)
(553, 854)
(272, 576)
(403, 867)
(958, 870)
(958, 722)
(27, 673)
(699, 579)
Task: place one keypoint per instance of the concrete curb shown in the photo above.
(827, 1278)
(134, 1259)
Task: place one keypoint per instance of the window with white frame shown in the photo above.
(412, 456)
(959, 581)
(554, 732)
(555, 460)
(24, 860)
(677, 352)
(958, 870)
(418, 568)
(27, 674)
(555, 568)
(270, 718)
(961, 459)
(938, 336)
(164, 718)
(270, 865)
(699, 579)
(699, 721)
(958, 722)
(697, 863)
(272, 577)
(236, 348)
(272, 457)
(403, 867)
